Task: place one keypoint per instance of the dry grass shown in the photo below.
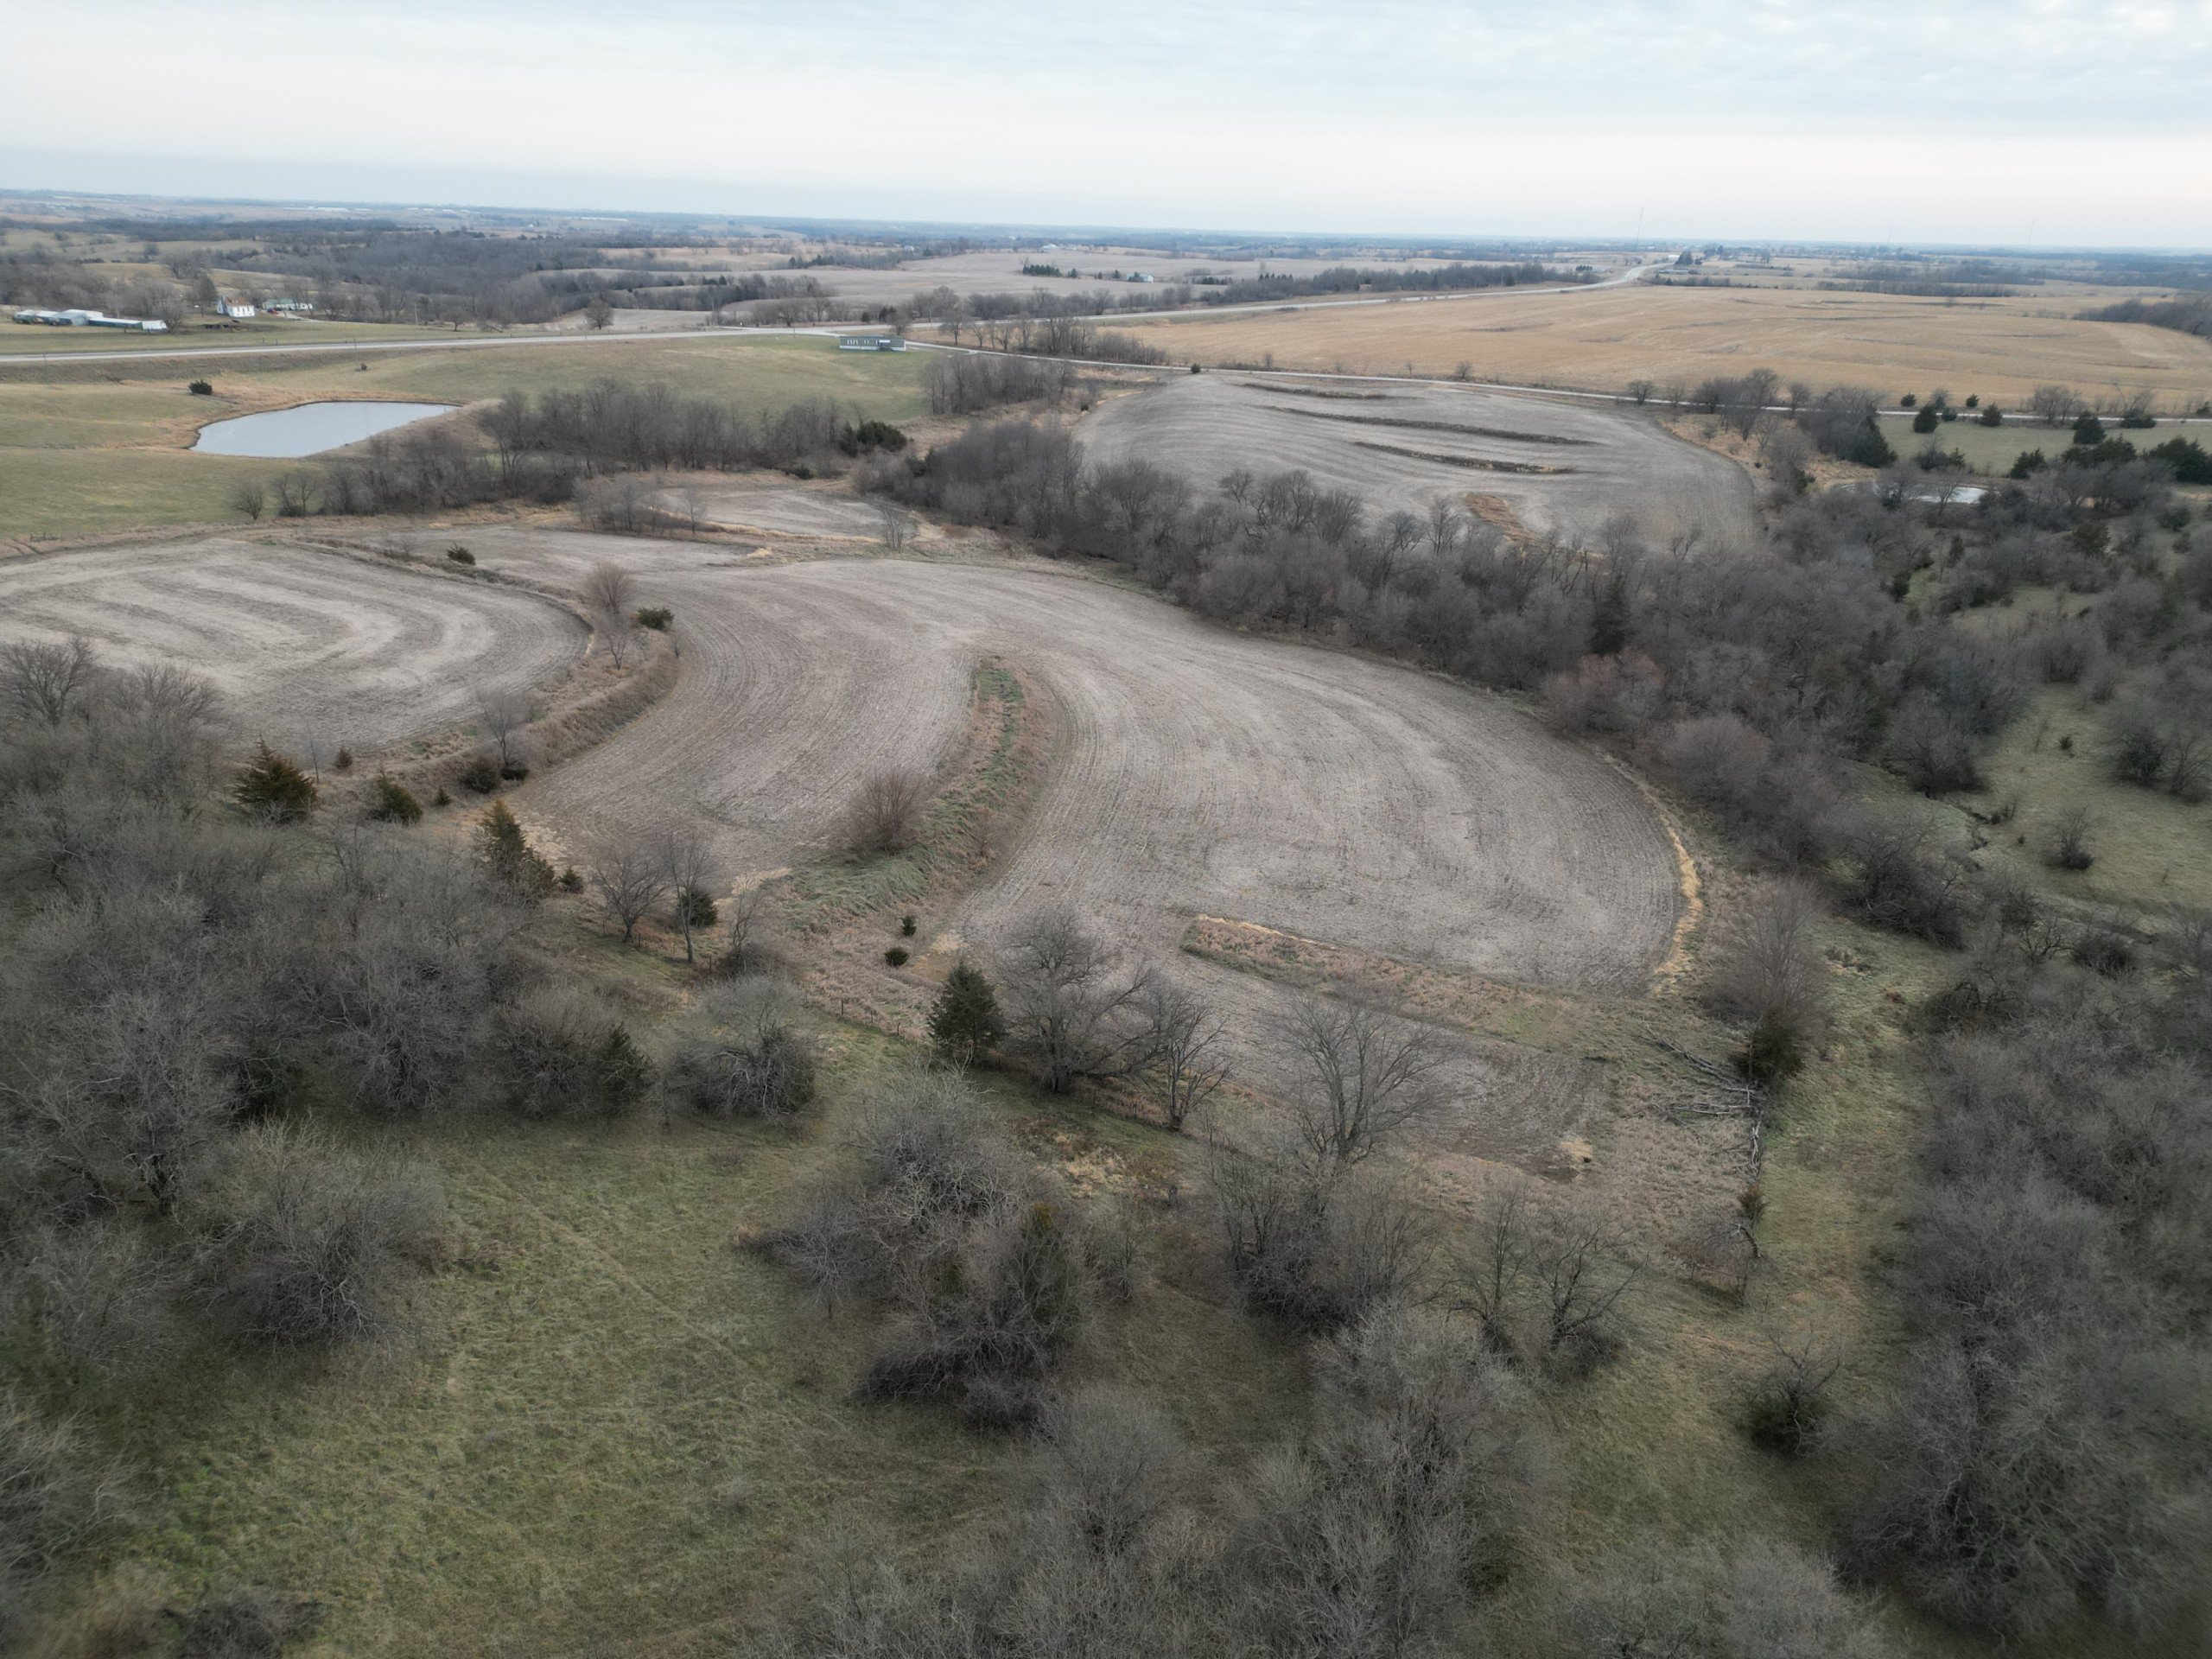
(1601, 341)
(617, 1432)
(2151, 850)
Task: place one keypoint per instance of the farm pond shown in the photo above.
(308, 429)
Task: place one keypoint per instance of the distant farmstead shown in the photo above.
(871, 343)
(236, 310)
(82, 318)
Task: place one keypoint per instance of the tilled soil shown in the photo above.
(1193, 771)
(307, 645)
(1563, 469)
(782, 509)
(1196, 772)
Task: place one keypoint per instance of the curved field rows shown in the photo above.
(306, 645)
(1200, 771)
(1196, 773)
(1401, 446)
(781, 508)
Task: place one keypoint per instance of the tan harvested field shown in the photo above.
(309, 645)
(1603, 339)
(998, 270)
(1196, 773)
(1563, 468)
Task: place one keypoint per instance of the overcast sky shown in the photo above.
(1987, 121)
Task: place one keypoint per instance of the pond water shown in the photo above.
(289, 434)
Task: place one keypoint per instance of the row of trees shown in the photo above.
(549, 450)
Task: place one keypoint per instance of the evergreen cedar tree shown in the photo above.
(965, 1023)
(392, 802)
(271, 785)
(511, 857)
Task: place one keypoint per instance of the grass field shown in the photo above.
(1601, 341)
(1995, 449)
(2152, 850)
(33, 339)
(104, 447)
(614, 1431)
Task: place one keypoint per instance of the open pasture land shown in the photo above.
(1995, 449)
(93, 448)
(616, 1433)
(307, 645)
(1601, 341)
(1562, 468)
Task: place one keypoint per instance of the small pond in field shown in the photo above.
(289, 434)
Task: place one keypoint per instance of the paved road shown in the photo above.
(478, 342)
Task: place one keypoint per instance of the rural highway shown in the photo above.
(158, 353)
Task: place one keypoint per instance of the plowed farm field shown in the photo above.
(1194, 773)
(307, 645)
(1561, 468)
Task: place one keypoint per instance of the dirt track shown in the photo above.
(1562, 468)
(305, 645)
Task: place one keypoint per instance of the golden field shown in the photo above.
(1602, 340)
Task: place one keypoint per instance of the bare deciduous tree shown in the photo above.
(1544, 1284)
(503, 716)
(1184, 1037)
(609, 587)
(691, 873)
(745, 921)
(1766, 973)
(47, 681)
(615, 637)
(316, 1239)
(627, 876)
(1369, 1076)
(2054, 405)
(1070, 1007)
(887, 814)
(1582, 1284)
(895, 528)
